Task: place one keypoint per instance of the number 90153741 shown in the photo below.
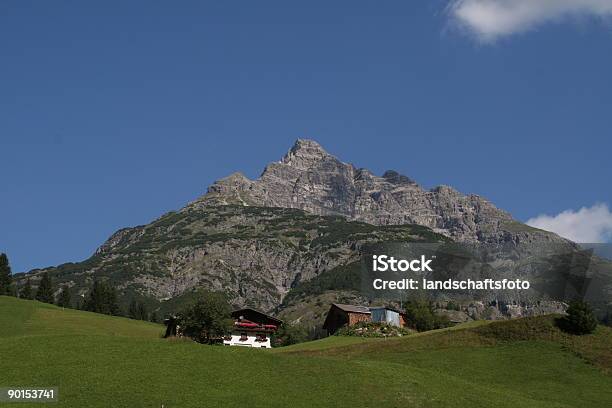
(31, 394)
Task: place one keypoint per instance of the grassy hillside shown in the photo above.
(256, 254)
(99, 361)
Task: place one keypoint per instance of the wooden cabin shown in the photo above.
(340, 315)
(345, 315)
(252, 328)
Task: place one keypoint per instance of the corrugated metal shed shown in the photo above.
(352, 308)
(385, 315)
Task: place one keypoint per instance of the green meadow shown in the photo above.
(101, 361)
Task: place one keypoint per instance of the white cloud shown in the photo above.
(587, 225)
(491, 19)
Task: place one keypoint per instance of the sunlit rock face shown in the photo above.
(257, 240)
(310, 179)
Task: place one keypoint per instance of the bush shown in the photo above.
(420, 316)
(289, 334)
(373, 329)
(208, 319)
(580, 319)
(453, 306)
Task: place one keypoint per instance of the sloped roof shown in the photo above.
(388, 308)
(252, 312)
(352, 308)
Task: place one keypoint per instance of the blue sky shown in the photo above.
(116, 112)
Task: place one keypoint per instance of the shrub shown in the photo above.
(453, 306)
(289, 334)
(580, 319)
(208, 319)
(373, 329)
(420, 316)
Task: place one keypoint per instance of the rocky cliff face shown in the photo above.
(304, 219)
(310, 179)
(254, 254)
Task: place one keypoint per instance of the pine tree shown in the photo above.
(26, 290)
(6, 278)
(112, 304)
(102, 298)
(133, 309)
(45, 289)
(63, 299)
(94, 301)
(143, 313)
(580, 318)
(138, 310)
(154, 317)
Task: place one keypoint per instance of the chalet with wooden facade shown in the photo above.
(252, 328)
(340, 315)
(345, 315)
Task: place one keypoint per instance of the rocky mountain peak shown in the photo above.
(240, 238)
(305, 154)
(234, 182)
(311, 179)
(394, 177)
(307, 145)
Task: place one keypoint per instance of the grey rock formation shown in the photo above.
(258, 239)
(310, 179)
(254, 254)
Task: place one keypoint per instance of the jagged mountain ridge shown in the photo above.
(310, 179)
(306, 215)
(254, 254)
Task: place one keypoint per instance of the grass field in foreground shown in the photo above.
(100, 361)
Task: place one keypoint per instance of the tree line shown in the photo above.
(205, 320)
(100, 298)
(208, 318)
